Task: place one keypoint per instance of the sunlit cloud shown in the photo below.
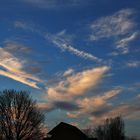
(130, 110)
(12, 67)
(45, 106)
(90, 104)
(77, 84)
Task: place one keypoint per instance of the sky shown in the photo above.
(79, 59)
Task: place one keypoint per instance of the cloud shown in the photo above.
(77, 84)
(61, 40)
(91, 104)
(64, 43)
(12, 67)
(120, 27)
(54, 4)
(47, 107)
(16, 48)
(20, 24)
(68, 72)
(126, 110)
(129, 110)
(114, 25)
(123, 43)
(65, 106)
(133, 64)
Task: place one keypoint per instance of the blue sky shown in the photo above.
(78, 58)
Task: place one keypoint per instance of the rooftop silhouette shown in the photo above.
(64, 131)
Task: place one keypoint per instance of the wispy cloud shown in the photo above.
(133, 64)
(61, 40)
(120, 26)
(128, 111)
(123, 43)
(55, 4)
(77, 84)
(20, 24)
(15, 48)
(114, 25)
(27, 26)
(12, 67)
(100, 107)
(64, 43)
(68, 72)
(90, 104)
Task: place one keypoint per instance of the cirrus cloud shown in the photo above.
(114, 25)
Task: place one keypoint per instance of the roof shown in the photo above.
(64, 130)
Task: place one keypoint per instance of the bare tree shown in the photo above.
(20, 118)
(113, 129)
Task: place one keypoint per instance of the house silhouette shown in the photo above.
(64, 131)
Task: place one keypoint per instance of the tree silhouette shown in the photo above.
(113, 129)
(20, 118)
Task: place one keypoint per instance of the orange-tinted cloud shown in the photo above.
(12, 67)
(77, 84)
(90, 104)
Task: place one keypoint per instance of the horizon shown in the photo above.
(79, 59)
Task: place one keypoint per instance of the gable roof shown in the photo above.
(64, 130)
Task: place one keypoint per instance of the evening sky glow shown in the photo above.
(80, 59)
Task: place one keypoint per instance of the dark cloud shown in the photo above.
(16, 48)
(101, 111)
(33, 69)
(66, 106)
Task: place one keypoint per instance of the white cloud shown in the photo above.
(64, 43)
(12, 68)
(133, 64)
(77, 84)
(68, 72)
(114, 25)
(123, 43)
(120, 27)
(61, 40)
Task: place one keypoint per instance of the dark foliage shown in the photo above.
(112, 129)
(19, 117)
